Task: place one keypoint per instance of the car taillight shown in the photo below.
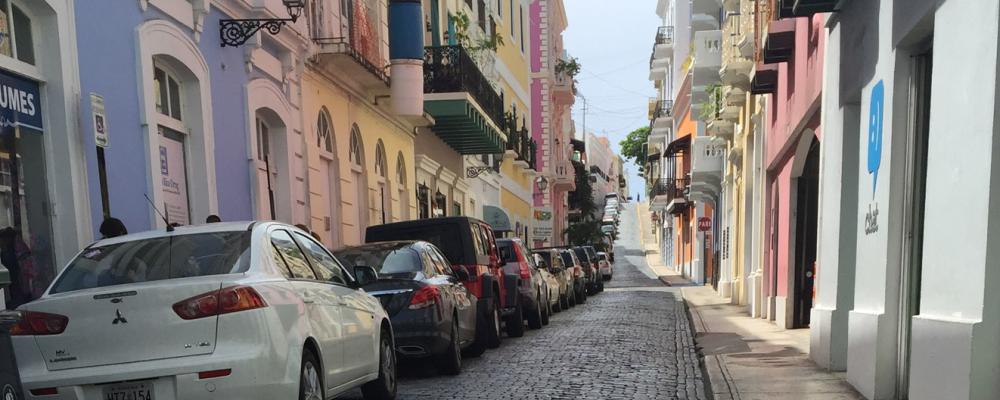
(577, 271)
(39, 324)
(524, 270)
(425, 297)
(217, 302)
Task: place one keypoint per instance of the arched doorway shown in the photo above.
(356, 157)
(806, 229)
(324, 187)
(271, 166)
(383, 202)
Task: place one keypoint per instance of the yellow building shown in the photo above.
(360, 156)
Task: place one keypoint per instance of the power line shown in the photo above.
(613, 85)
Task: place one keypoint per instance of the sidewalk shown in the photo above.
(747, 358)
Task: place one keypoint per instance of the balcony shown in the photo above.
(765, 79)
(736, 68)
(705, 15)
(564, 89)
(663, 46)
(467, 110)
(780, 41)
(658, 68)
(662, 118)
(805, 8)
(565, 178)
(520, 146)
(668, 194)
(349, 44)
(707, 61)
(707, 156)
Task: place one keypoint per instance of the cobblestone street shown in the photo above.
(631, 342)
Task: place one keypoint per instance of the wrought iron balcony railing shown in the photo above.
(450, 69)
(663, 109)
(665, 35)
(354, 33)
(673, 188)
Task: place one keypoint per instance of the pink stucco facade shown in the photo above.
(792, 116)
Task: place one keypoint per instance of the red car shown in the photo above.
(469, 244)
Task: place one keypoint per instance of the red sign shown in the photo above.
(704, 224)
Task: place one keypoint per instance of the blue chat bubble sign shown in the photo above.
(875, 117)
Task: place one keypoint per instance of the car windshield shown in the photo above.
(147, 260)
(546, 257)
(581, 254)
(387, 260)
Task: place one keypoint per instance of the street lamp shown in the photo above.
(542, 183)
(235, 32)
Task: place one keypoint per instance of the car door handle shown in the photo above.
(308, 300)
(341, 303)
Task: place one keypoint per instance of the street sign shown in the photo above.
(100, 120)
(704, 224)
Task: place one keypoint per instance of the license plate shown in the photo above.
(129, 391)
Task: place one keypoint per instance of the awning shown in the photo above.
(678, 145)
(463, 127)
(578, 145)
(497, 218)
(780, 41)
(765, 79)
(653, 157)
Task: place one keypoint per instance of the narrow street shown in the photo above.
(631, 342)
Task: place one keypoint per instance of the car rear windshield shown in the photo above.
(507, 253)
(567, 258)
(147, 260)
(581, 254)
(447, 238)
(546, 256)
(387, 260)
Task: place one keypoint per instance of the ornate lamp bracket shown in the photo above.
(474, 172)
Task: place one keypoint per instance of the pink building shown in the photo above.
(552, 97)
(789, 68)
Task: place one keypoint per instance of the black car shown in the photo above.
(579, 277)
(432, 313)
(595, 263)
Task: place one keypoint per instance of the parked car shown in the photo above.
(234, 306)
(579, 277)
(604, 265)
(552, 284)
(469, 244)
(432, 313)
(589, 263)
(595, 263)
(531, 286)
(563, 275)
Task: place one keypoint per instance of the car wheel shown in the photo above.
(515, 322)
(535, 317)
(383, 387)
(571, 298)
(451, 360)
(582, 296)
(493, 336)
(310, 380)
(600, 286)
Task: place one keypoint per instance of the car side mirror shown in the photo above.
(365, 275)
(461, 273)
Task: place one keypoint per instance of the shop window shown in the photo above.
(172, 144)
(15, 33)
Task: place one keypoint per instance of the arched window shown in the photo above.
(380, 160)
(324, 130)
(356, 151)
(400, 171)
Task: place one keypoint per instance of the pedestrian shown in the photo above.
(212, 219)
(112, 227)
(16, 257)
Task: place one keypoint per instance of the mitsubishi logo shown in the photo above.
(119, 318)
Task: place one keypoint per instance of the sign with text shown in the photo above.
(704, 224)
(173, 180)
(20, 103)
(100, 120)
(542, 228)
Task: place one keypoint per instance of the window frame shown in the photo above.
(325, 147)
(299, 237)
(167, 119)
(291, 275)
(12, 32)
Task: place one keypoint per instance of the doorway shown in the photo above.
(913, 217)
(806, 229)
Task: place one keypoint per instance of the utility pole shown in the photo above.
(584, 115)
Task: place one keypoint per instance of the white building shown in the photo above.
(909, 209)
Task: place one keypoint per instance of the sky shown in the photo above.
(613, 45)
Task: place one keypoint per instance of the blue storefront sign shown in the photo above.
(875, 116)
(20, 103)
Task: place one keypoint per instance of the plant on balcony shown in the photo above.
(569, 67)
(474, 47)
(632, 146)
(711, 108)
